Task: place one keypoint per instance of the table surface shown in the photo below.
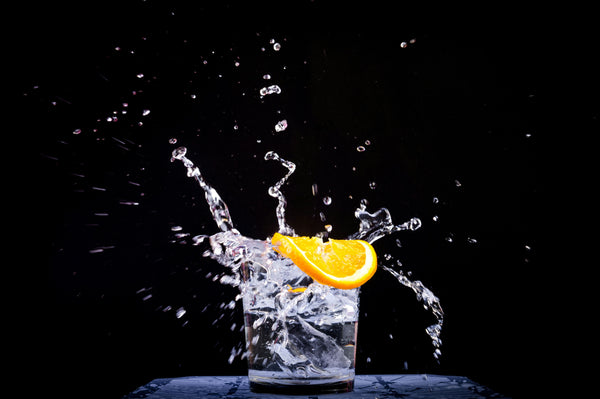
(365, 387)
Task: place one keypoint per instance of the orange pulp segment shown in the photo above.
(341, 264)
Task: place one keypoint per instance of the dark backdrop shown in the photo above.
(451, 120)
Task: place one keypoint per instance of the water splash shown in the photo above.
(275, 191)
(217, 206)
(246, 256)
(430, 302)
(375, 225)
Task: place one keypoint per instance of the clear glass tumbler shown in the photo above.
(300, 335)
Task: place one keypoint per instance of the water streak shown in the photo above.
(430, 301)
(217, 206)
(275, 191)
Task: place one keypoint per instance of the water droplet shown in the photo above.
(435, 218)
(436, 200)
(327, 200)
(266, 76)
(273, 89)
(176, 228)
(281, 126)
(271, 155)
(237, 64)
(140, 75)
(276, 46)
(180, 312)
(172, 140)
(372, 185)
(145, 112)
(457, 183)
(360, 148)
(328, 228)
(367, 142)
(404, 45)
(414, 224)
(322, 216)
(398, 243)
(179, 153)
(77, 131)
(315, 189)
(471, 240)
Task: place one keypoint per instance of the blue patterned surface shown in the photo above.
(365, 387)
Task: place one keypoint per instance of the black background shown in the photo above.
(453, 116)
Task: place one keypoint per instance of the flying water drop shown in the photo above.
(273, 89)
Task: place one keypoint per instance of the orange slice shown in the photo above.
(342, 264)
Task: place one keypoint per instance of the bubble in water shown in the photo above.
(327, 200)
(360, 148)
(172, 140)
(281, 126)
(276, 46)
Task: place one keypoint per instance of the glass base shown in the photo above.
(302, 389)
(300, 386)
